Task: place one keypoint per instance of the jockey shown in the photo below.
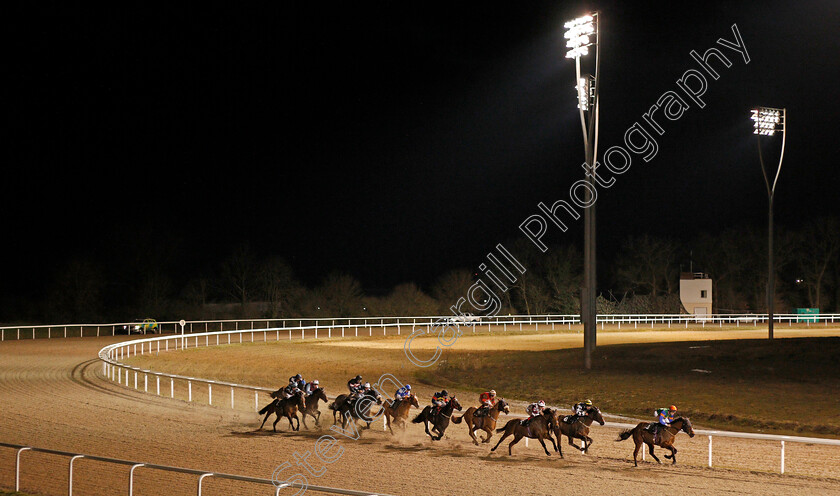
(664, 416)
(290, 390)
(401, 394)
(534, 410)
(439, 400)
(487, 400)
(298, 379)
(354, 384)
(311, 387)
(581, 408)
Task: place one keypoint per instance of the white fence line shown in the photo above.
(202, 474)
(113, 370)
(110, 329)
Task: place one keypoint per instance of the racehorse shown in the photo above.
(486, 422)
(439, 420)
(312, 405)
(349, 410)
(400, 413)
(664, 438)
(336, 405)
(578, 428)
(538, 428)
(284, 407)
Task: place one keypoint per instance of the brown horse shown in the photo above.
(353, 409)
(578, 428)
(400, 413)
(486, 422)
(538, 428)
(312, 405)
(439, 420)
(285, 407)
(664, 439)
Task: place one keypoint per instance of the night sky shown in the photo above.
(389, 140)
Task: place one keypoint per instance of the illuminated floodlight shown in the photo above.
(767, 121)
(577, 34)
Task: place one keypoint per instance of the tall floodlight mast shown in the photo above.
(581, 34)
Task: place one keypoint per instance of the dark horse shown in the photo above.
(486, 422)
(577, 428)
(439, 420)
(312, 405)
(399, 413)
(664, 439)
(285, 407)
(348, 409)
(538, 428)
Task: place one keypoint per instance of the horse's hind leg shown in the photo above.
(673, 454)
(506, 434)
(575, 446)
(489, 435)
(587, 444)
(516, 438)
(636, 454)
(543, 445)
(264, 421)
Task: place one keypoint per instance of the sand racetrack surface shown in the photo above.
(53, 396)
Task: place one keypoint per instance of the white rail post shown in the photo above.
(783, 457)
(209, 393)
(131, 478)
(710, 451)
(145, 383)
(201, 478)
(189, 386)
(256, 401)
(158, 385)
(70, 476)
(17, 467)
(231, 397)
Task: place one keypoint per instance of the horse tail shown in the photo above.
(265, 408)
(457, 420)
(626, 433)
(419, 418)
(331, 406)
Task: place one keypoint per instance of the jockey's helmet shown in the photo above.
(358, 378)
(367, 385)
(408, 387)
(492, 392)
(673, 408)
(541, 403)
(315, 381)
(298, 377)
(588, 402)
(444, 393)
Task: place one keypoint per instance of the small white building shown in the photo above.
(696, 293)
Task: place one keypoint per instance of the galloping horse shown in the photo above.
(538, 428)
(665, 437)
(312, 405)
(349, 409)
(400, 413)
(486, 422)
(285, 407)
(578, 428)
(439, 420)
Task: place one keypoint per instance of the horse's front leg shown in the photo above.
(516, 438)
(548, 435)
(673, 454)
(587, 444)
(575, 446)
(543, 445)
(506, 434)
(650, 448)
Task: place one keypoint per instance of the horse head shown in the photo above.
(595, 414)
(455, 404)
(686, 426)
(320, 394)
(551, 416)
(276, 394)
(299, 400)
(503, 406)
(413, 400)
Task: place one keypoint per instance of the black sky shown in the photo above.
(389, 140)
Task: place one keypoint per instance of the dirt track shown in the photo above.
(53, 396)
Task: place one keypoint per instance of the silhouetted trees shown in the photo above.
(642, 276)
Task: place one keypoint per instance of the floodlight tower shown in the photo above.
(768, 121)
(581, 34)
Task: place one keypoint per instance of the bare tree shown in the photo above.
(818, 246)
(450, 287)
(277, 286)
(238, 274)
(341, 295)
(648, 263)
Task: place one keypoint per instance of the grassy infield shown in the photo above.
(788, 386)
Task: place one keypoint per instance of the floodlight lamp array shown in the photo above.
(766, 121)
(577, 34)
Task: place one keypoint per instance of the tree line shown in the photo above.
(640, 277)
